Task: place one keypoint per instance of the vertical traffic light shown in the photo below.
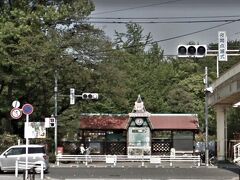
(52, 122)
(197, 51)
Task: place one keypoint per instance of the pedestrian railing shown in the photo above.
(236, 151)
(31, 168)
(114, 159)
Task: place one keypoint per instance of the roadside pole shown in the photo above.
(27, 110)
(56, 109)
(206, 118)
(27, 143)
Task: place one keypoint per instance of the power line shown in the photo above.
(195, 32)
(137, 7)
(167, 17)
(182, 35)
(164, 22)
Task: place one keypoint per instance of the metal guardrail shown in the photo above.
(236, 151)
(114, 159)
(21, 165)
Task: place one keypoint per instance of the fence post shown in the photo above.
(57, 159)
(16, 168)
(86, 163)
(42, 172)
(172, 155)
(115, 160)
(199, 160)
(142, 160)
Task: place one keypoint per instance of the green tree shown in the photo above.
(32, 47)
(133, 41)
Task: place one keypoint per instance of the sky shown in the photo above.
(176, 20)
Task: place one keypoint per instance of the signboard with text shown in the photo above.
(222, 46)
(35, 130)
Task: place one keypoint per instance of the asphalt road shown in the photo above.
(149, 173)
(145, 173)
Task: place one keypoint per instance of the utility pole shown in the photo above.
(56, 109)
(206, 117)
(72, 101)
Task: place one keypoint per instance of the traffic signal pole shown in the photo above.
(234, 52)
(206, 118)
(55, 109)
(72, 101)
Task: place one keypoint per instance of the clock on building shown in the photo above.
(139, 121)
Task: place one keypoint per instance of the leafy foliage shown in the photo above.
(43, 40)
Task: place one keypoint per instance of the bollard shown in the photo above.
(199, 159)
(42, 172)
(142, 160)
(115, 160)
(86, 163)
(16, 169)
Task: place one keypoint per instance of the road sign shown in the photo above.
(15, 104)
(16, 113)
(222, 46)
(72, 96)
(27, 109)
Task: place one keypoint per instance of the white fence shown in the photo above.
(114, 159)
(21, 165)
(236, 151)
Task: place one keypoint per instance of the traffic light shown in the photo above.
(72, 96)
(89, 95)
(198, 51)
(51, 122)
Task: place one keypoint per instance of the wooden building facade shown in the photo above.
(138, 133)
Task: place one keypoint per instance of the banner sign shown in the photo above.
(35, 130)
(222, 46)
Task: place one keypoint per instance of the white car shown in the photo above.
(36, 155)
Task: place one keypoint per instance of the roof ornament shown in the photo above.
(139, 106)
(139, 109)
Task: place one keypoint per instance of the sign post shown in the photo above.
(27, 110)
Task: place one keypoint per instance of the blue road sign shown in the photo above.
(27, 109)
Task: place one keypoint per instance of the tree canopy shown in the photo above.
(44, 40)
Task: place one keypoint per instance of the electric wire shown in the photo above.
(164, 22)
(166, 17)
(137, 7)
(178, 36)
(195, 32)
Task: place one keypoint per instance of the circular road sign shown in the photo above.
(15, 104)
(16, 113)
(27, 109)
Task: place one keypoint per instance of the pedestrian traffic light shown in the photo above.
(197, 51)
(72, 96)
(51, 122)
(89, 95)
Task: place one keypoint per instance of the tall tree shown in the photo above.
(33, 44)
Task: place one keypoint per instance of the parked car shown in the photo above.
(36, 155)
